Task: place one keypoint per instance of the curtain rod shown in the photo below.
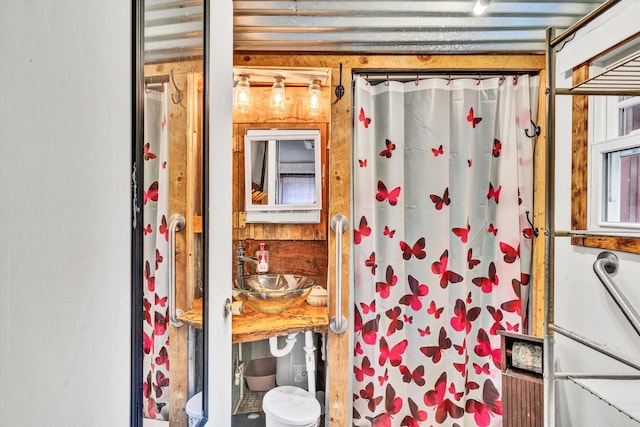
(378, 76)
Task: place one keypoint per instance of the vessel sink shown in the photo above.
(272, 293)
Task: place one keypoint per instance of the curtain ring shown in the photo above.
(449, 81)
(387, 82)
(367, 79)
(501, 80)
(479, 79)
(515, 80)
(417, 79)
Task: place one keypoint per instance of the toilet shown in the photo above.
(290, 406)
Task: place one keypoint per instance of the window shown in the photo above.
(615, 156)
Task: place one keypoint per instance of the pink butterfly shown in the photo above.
(484, 410)
(497, 146)
(462, 318)
(497, 320)
(368, 308)
(417, 250)
(163, 357)
(395, 324)
(446, 276)
(487, 283)
(510, 254)
(357, 349)
(425, 331)
(383, 378)
(471, 262)
(151, 193)
(160, 301)
(371, 263)
(472, 119)
(408, 319)
(441, 201)
(494, 193)
(492, 229)
(388, 232)
(417, 416)
(384, 288)
(462, 233)
(435, 351)
(457, 395)
(147, 229)
(469, 162)
(161, 382)
(163, 229)
(148, 155)
(417, 290)
(393, 354)
(514, 306)
(147, 310)
(444, 406)
(160, 325)
(383, 194)
(435, 311)
(367, 393)
(365, 120)
(147, 343)
(437, 151)
(363, 231)
(362, 163)
(369, 329)
(159, 258)
(417, 375)
(365, 370)
(151, 280)
(484, 369)
(483, 348)
(387, 151)
(392, 405)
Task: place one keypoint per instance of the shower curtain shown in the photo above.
(442, 247)
(155, 243)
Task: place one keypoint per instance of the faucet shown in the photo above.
(240, 260)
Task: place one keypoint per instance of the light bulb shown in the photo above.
(277, 100)
(481, 6)
(242, 95)
(315, 97)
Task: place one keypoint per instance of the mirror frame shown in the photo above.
(271, 212)
(137, 178)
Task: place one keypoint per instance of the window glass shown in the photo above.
(628, 114)
(622, 183)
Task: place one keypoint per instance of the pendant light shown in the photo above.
(277, 101)
(242, 95)
(315, 97)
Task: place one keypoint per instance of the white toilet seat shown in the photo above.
(291, 406)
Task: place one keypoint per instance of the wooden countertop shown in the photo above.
(252, 325)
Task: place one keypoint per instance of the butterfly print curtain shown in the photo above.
(442, 249)
(155, 243)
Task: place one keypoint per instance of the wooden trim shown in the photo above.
(539, 216)
(613, 243)
(580, 150)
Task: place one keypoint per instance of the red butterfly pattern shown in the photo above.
(510, 254)
(394, 354)
(417, 375)
(388, 232)
(368, 308)
(363, 231)
(490, 405)
(151, 193)
(366, 121)
(435, 351)
(384, 288)
(444, 406)
(163, 357)
(395, 323)
(492, 229)
(383, 378)
(163, 229)
(148, 155)
(362, 163)
(417, 250)
(371, 263)
(484, 349)
(390, 146)
(441, 201)
(369, 329)
(437, 151)
(487, 283)
(471, 118)
(434, 310)
(440, 268)
(368, 394)
(471, 262)
(494, 193)
(392, 404)
(462, 233)
(417, 415)
(417, 290)
(383, 194)
(461, 321)
(497, 146)
(365, 369)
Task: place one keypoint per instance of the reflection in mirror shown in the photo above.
(171, 153)
(283, 175)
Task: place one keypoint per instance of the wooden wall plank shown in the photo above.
(580, 152)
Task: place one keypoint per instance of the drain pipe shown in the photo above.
(310, 358)
(279, 352)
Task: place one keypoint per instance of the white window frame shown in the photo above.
(604, 139)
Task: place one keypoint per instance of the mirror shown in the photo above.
(283, 176)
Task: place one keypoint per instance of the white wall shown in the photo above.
(581, 303)
(65, 142)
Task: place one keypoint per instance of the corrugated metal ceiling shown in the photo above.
(357, 26)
